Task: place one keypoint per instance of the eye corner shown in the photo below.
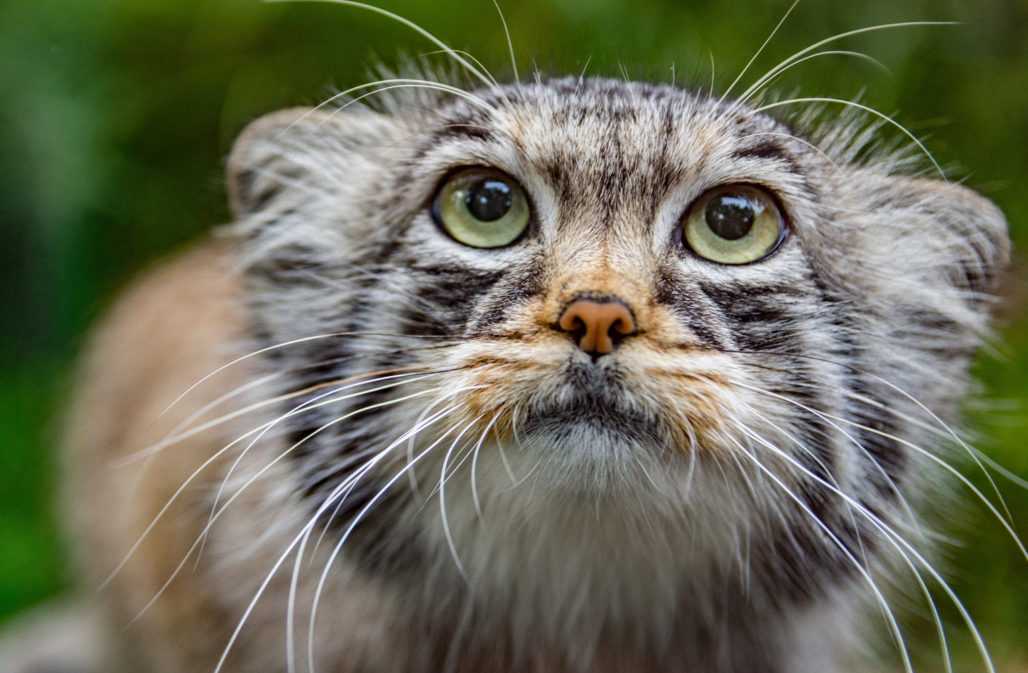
(751, 226)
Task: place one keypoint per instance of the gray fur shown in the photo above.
(622, 552)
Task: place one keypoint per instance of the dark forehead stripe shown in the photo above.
(765, 149)
(461, 130)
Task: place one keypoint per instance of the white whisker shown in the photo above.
(510, 42)
(759, 51)
(946, 466)
(244, 487)
(890, 616)
(835, 38)
(443, 478)
(474, 466)
(884, 117)
(782, 69)
(409, 24)
(896, 540)
(356, 521)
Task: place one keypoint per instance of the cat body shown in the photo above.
(417, 463)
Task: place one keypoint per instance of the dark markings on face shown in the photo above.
(518, 287)
(759, 317)
(776, 319)
(687, 305)
(765, 149)
(461, 130)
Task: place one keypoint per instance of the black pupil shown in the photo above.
(489, 200)
(730, 216)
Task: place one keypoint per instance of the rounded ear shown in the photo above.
(301, 150)
(253, 151)
(966, 231)
(940, 233)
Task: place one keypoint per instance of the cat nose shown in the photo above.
(598, 324)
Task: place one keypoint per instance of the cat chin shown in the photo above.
(586, 461)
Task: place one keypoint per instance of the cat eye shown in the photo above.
(734, 224)
(482, 208)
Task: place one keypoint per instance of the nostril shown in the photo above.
(578, 328)
(619, 330)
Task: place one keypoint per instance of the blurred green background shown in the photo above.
(118, 114)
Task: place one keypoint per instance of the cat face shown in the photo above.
(629, 295)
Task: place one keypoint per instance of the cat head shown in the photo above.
(635, 296)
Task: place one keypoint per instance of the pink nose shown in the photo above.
(597, 324)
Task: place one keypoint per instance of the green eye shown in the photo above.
(482, 208)
(735, 224)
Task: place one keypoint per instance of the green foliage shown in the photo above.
(118, 115)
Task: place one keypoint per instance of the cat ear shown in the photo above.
(302, 151)
(940, 233)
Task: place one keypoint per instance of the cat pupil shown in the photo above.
(730, 216)
(489, 200)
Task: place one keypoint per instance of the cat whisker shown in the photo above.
(826, 470)
(341, 493)
(476, 501)
(510, 42)
(171, 440)
(713, 74)
(128, 556)
(879, 597)
(309, 405)
(398, 83)
(759, 51)
(897, 493)
(409, 24)
(304, 532)
(974, 453)
(412, 478)
(356, 521)
(917, 574)
(346, 465)
(957, 438)
(899, 543)
(517, 440)
(183, 431)
(256, 477)
(928, 454)
(409, 436)
(468, 55)
(782, 69)
(185, 424)
(859, 106)
(834, 38)
(443, 478)
(946, 434)
(286, 344)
